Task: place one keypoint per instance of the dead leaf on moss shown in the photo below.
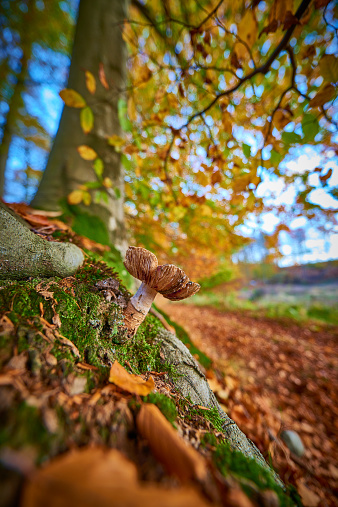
(170, 449)
(6, 325)
(129, 382)
(68, 343)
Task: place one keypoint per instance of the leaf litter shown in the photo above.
(272, 376)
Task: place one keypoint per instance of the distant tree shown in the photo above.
(24, 38)
(98, 49)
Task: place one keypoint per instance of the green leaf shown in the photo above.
(94, 184)
(291, 138)
(98, 167)
(117, 192)
(100, 195)
(86, 119)
(72, 98)
(123, 116)
(275, 158)
(310, 127)
(246, 150)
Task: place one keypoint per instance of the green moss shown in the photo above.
(22, 426)
(181, 333)
(165, 404)
(209, 439)
(229, 461)
(20, 300)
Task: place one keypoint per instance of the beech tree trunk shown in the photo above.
(98, 40)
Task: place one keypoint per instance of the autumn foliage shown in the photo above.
(219, 96)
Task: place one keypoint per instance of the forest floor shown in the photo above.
(272, 376)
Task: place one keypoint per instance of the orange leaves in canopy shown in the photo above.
(129, 382)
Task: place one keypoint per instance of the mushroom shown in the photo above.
(167, 279)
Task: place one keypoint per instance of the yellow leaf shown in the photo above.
(72, 98)
(86, 152)
(247, 32)
(205, 210)
(116, 141)
(107, 182)
(202, 178)
(131, 109)
(328, 66)
(226, 122)
(130, 382)
(75, 197)
(87, 198)
(323, 96)
(90, 82)
(86, 119)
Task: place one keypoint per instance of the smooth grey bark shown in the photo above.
(98, 39)
(24, 254)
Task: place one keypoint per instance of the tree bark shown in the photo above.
(98, 40)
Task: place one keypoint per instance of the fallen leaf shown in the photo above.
(68, 343)
(96, 476)
(129, 382)
(309, 498)
(177, 456)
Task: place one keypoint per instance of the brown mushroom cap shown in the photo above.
(168, 278)
(140, 263)
(189, 289)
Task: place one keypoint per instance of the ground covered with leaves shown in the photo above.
(90, 418)
(272, 376)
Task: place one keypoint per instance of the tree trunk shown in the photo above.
(97, 41)
(14, 105)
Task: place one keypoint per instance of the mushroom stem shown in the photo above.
(138, 307)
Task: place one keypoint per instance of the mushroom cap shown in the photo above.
(167, 279)
(140, 263)
(189, 289)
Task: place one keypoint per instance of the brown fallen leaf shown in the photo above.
(171, 450)
(96, 476)
(129, 382)
(68, 343)
(6, 325)
(309, 497)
